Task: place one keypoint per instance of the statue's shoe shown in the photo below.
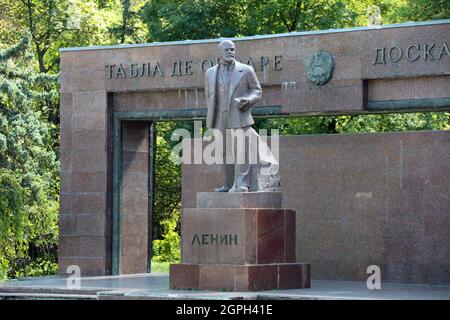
(222, 189)
(239, 189)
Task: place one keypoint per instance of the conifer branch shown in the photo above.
(16, 50)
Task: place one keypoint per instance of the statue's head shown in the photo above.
(227, 51)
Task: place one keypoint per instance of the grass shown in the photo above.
(160, 266)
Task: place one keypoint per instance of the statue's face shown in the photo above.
(227, 52)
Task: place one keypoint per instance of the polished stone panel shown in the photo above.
(238, 236)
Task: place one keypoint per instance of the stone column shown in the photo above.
(85, 234)
(134, 193)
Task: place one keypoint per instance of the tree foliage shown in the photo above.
(130, 29)
(45, 20)
(359, 123)
(167, 249)
(169, 20)
(28, 165)
(419, 10)
(167, 196)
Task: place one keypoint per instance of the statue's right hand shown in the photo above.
(242, 102)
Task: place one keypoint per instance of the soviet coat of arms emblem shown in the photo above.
(319, 67)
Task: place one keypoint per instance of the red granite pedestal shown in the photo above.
(247, 247)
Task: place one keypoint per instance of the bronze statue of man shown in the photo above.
(231, 89)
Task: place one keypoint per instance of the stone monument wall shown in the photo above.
(382, 69)
(362, 199)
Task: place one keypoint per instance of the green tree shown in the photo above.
(167, 249)
(44, 19)
(29, 183)
(394, 122)
(130, 29)
(359, 123)
(419, 10)
(169, 20)
(167, 196)
(54, 24)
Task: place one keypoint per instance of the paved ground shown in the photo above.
(156, 286)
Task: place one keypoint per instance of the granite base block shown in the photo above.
(240, 277)
(238, 236)
(239, 199)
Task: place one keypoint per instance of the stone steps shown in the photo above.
(45, 296)
(36, 293)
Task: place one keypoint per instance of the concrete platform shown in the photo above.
(155, 286)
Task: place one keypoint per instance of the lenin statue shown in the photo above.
(231, 89)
